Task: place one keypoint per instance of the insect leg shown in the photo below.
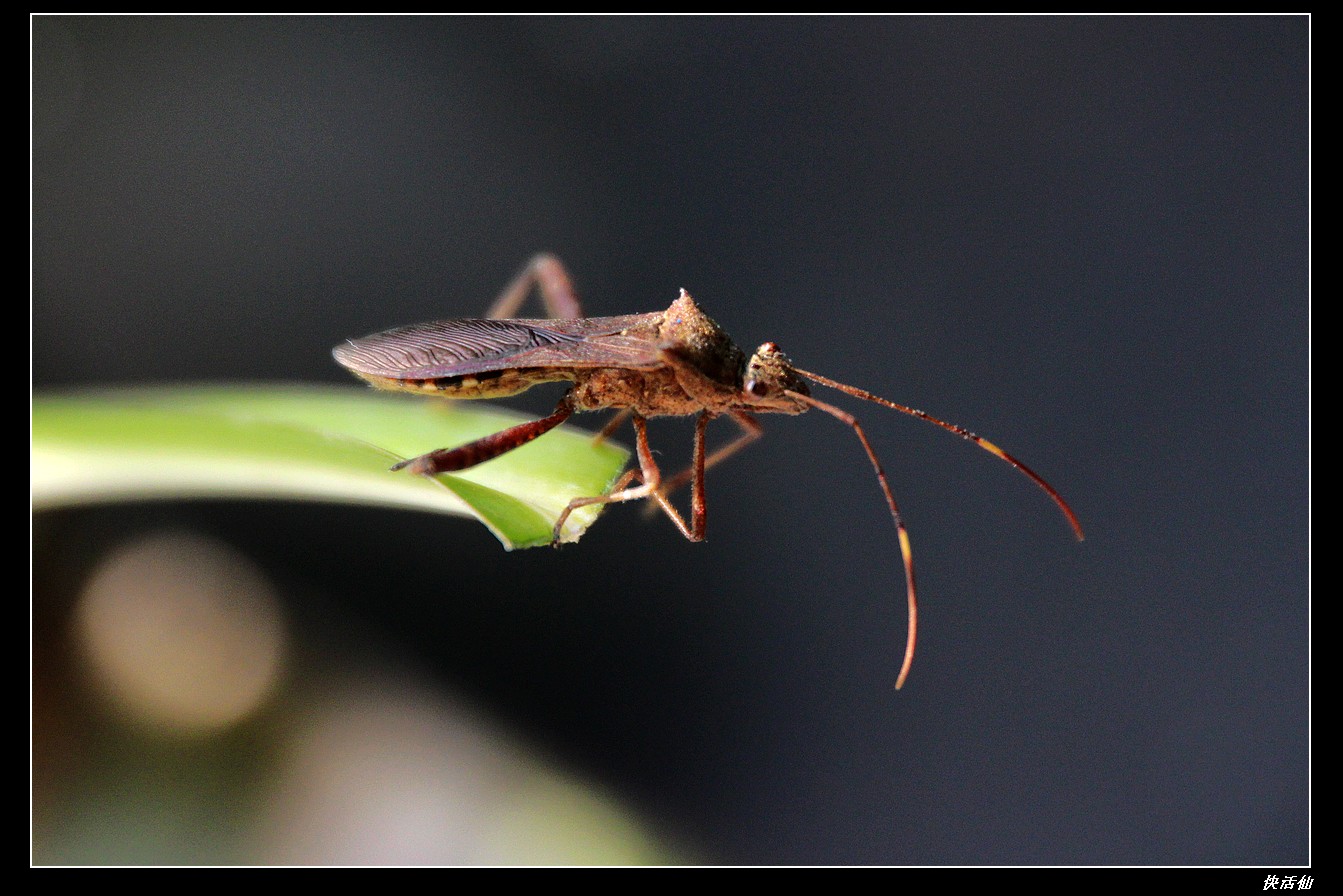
(652, 478)
(450, 460)
(750, 431)
(547, 273)
(612, 425)
(698, 464)
(694, 532)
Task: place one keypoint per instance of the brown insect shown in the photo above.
(676, 362)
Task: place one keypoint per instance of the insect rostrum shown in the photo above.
(676, 362)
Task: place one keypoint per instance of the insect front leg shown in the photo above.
(547, 274)
(652, 479)
(450, 460)
(698, 465)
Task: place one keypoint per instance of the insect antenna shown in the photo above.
(906, 553)
(963, 433)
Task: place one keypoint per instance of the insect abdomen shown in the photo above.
(486, 384)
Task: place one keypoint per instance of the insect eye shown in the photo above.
(757, 388)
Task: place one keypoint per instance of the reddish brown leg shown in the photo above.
(697, 503)
(698, 517)
(612, 425)
(750, 431)
(652, 478)
(548, 275)
(450, 460)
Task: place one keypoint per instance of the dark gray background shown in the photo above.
(1085, 238)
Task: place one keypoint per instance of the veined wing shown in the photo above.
(449, 348)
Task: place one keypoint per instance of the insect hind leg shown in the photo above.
(548, 275)
(451, 460)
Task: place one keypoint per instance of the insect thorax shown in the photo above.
(650, 393)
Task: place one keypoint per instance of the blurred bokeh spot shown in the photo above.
(223, 733)
(182, 633)
(381, 771)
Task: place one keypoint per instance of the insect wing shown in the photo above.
(471, 346)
